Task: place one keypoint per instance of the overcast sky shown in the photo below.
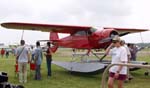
(99, 13)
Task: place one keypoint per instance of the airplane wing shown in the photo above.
(45, 27)
(125, 31)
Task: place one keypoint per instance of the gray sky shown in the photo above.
(99, 13)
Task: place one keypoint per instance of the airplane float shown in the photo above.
(81, 37)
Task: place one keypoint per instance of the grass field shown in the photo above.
(63, 79)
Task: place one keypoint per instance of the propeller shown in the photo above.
(105, 40)
(108, 38)
(112, 36)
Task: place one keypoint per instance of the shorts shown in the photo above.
(121, 76)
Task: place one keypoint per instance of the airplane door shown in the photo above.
(80, 39)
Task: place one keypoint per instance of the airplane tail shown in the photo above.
(54, 36)
(54, 39)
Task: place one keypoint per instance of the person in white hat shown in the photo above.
(119, 55)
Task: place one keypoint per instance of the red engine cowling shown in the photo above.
(107, 33)
(103, 34)
(102, 38)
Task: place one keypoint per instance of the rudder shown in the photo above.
(54, 38)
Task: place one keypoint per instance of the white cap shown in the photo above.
(116, 38)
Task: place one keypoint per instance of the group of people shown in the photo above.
(23, 58)
(4, 52)
(133, 51)
(117, 49)
(120, 53)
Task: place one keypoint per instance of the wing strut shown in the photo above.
(141, 37)
(22, 34)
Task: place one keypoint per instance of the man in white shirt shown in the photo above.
(22, 60)
(129, 76)
(119, 55)
(127, 48)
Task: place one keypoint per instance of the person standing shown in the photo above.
(38, 60)
(48, 55)
(32, 53)
(119, 55)
(127, 48)
(129, 76)
(7, 54)
(22, 58)
(134, 52)
(2, 52)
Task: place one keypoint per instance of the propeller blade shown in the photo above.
(111, 37)
(105, 40)
(122, 34)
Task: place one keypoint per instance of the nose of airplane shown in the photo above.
(109, 38)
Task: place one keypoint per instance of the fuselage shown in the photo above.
(84, 40)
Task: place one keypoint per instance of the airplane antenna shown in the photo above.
(22, 34)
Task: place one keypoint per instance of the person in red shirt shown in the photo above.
(48, 55)
(2, 52)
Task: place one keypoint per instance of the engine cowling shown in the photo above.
(107, 34)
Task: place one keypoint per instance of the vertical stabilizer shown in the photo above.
(54, 38)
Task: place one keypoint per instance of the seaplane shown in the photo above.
(80, 37)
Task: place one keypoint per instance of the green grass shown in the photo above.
(64, 79)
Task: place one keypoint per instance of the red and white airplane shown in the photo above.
(81, 37)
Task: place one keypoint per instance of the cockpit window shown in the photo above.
(85, 33)
(80, 33)
(93, 29)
